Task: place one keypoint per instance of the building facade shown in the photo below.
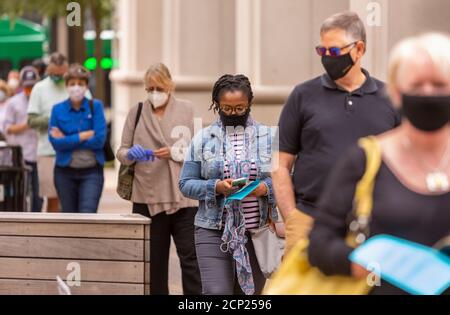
(270, 41)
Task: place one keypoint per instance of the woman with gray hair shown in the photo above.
(149, 144)
(411, 195)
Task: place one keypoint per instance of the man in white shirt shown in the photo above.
(44, 96)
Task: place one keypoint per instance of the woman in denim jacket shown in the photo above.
(233, 147)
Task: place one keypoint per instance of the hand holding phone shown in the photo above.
(225, 188)
(241, 182)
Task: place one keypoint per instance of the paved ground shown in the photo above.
(112, 203)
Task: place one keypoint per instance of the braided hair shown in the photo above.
(230, 83)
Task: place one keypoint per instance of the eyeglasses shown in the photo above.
(334, 51)
(239, 110)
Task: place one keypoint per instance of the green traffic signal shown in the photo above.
(90, 64)
(105, 63)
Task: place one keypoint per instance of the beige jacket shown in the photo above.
(156, 183)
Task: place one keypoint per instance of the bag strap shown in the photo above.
(91, 107)
(363, 199)
(364, 189)
(136, 121)
(138, 116)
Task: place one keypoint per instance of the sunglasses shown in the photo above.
(334, 51)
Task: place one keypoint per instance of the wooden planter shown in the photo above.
(110, 253)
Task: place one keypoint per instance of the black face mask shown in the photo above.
(234, 120)
(337, 67)
(426, 113)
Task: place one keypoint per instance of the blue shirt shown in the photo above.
(71, 122)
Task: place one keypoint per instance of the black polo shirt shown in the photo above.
(320, 121)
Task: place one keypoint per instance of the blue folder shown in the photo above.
(412, 267)
(243, 192)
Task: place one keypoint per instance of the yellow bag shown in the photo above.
(297, 276)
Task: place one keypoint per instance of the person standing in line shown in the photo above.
(233, 147)
(322, 118)
(148, 143)
(19, 133)
(411, 195)
(77, 132)
(44, 96)
(5, 94)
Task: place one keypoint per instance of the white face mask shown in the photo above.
(13, 83)
(76, 92)
(2, 96)
(158, 99)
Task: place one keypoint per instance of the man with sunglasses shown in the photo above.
(322, 118)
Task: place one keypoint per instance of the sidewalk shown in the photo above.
(112, 203)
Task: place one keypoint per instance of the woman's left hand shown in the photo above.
(260, 191)
(163, 153)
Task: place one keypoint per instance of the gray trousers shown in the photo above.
(217, 269)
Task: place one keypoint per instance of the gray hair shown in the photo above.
(347, 21)
(58, 59)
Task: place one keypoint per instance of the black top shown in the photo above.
(320, 121)
(397, 211)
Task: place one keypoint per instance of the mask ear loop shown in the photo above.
(224, 247)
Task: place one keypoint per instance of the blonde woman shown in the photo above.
(147, 141)
(412, 192)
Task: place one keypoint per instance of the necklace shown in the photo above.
(436, 178)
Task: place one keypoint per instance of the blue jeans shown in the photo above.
(36, 201)
(79, 190)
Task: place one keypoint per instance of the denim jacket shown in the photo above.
(204, 164)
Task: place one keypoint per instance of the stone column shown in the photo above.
(139, 45)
